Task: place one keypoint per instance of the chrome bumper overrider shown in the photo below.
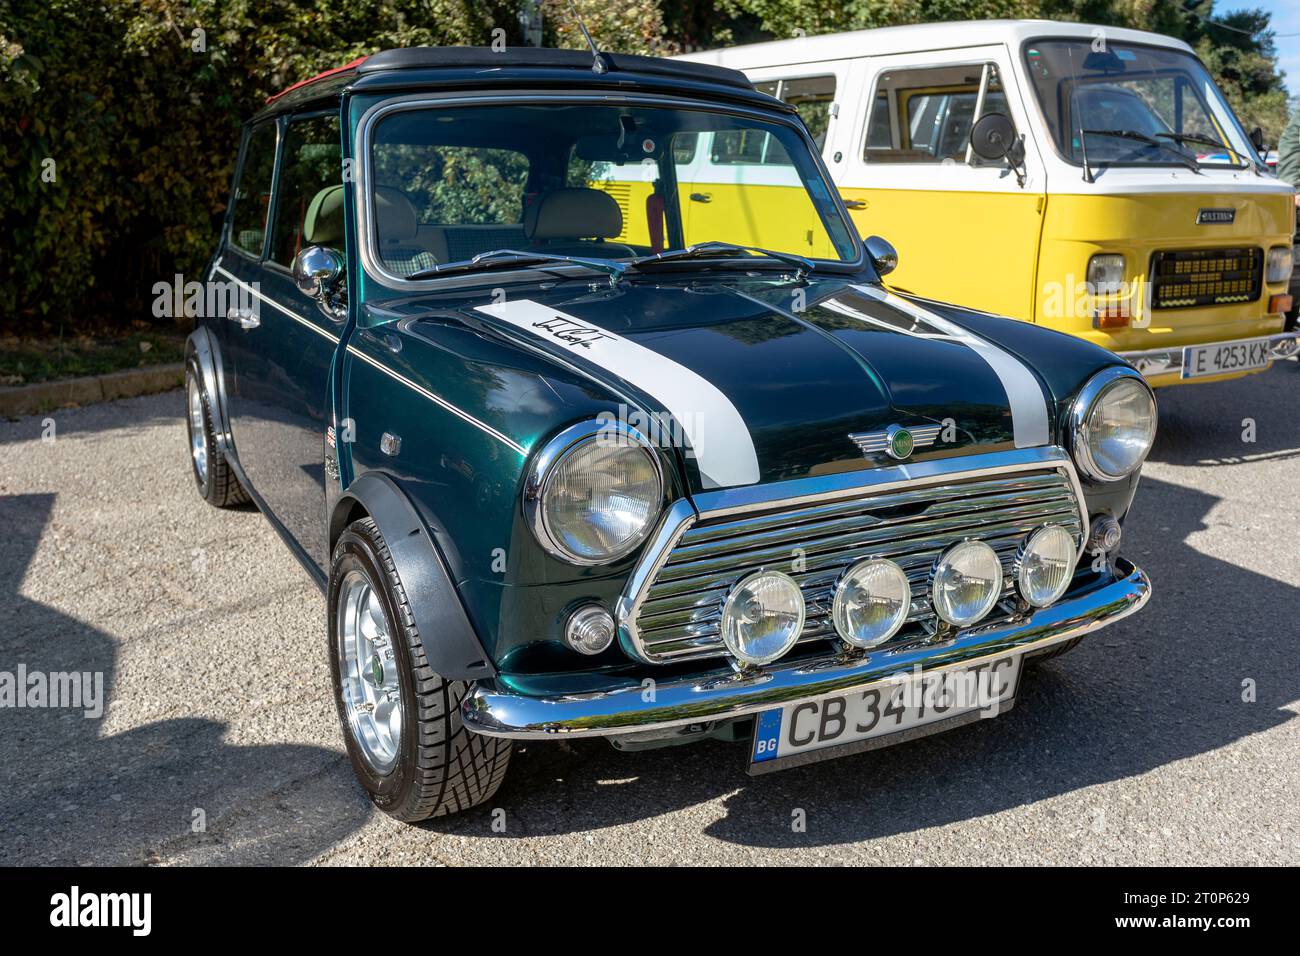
(1086, 608)
(1152, 362)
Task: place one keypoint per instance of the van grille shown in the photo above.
(679, 614)
(1192, 277)
(621, 193)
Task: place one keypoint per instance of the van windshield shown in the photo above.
(592, 181)
(1132, 105)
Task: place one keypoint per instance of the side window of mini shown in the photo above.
(309, 197)
(924, 115)
(252, 201)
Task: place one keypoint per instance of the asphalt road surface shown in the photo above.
(1170, 738)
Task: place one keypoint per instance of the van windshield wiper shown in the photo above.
(1186, 160)
(513, 259)
(715, 248)
(1201, 140)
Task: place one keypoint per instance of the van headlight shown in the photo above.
(1106, 274)
(594, 493)
(1112, 424)
(1279, 264)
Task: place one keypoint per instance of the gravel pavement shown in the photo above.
(218, 741)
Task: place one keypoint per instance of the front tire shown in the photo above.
(401, 721)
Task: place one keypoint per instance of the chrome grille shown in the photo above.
(677, 616)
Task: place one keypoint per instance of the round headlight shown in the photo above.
(966, 583)
(763, 617)
(1045, 565)
(871, 603)
(598, 498)
(1113, 424)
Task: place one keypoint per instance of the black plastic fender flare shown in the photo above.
(450, 643)
(201, 345)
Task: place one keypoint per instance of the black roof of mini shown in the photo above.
(425, 57)
(450, 67)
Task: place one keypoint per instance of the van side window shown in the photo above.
(253, 192)
(312, 165)
(747, 147)
(812, 96)
(879, 129)
(925, 115)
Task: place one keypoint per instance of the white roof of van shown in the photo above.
(915, 38)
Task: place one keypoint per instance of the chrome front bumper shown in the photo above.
(1086, 608)
(1153, 362)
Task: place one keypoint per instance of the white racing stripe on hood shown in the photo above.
(719, 438)
(1029, 423)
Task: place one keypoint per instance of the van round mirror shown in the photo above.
(883, 254)
(1257, 139)
(993, 137)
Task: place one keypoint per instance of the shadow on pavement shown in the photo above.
(1203, 426)
(72, 794)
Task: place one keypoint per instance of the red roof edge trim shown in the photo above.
(319, 76)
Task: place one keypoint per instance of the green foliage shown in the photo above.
(140, 116)
(27, 360)
(455, 184)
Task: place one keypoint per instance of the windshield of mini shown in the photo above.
(593, 181)
(1132, 105)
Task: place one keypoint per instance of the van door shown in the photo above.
(742, 184)
(967, 230)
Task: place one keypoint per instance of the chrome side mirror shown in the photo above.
(883, 255)
(318, 271)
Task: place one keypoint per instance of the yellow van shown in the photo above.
(1091, 179)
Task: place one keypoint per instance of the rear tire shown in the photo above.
(213, 475)
(433, 765)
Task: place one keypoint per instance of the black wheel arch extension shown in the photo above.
(201, 347)
(451, 644)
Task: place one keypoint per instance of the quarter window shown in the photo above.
(812, 96)
(312, 163)
(925, 115)
(253, 192)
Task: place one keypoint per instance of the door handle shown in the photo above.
(854, 203)
(701, 197)
(247, 318)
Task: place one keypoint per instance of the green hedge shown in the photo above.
(120, 125)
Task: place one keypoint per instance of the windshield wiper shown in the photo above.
(511, 259)
(1186, 160)
(703, 250)
(1202, 140)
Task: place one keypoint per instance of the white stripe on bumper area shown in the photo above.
(1028, 406)
(719, 438)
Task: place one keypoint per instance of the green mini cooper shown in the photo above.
(569, 454)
